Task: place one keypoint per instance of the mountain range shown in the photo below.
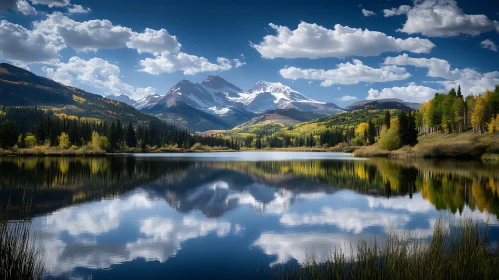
(388, 103)
(214, 104)
(218, 104)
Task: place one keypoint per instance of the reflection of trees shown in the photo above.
(51, 183)
(56, 182)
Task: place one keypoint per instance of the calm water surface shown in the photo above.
(219, 215)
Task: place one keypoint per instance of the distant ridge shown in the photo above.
(389, 103)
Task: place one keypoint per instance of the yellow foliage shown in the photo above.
(64, 141)
(361, 129)
(493, 126)
(478, 115)
(63, 116)
(79, 99)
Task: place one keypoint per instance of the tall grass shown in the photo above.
(458, 251)
(20, 257)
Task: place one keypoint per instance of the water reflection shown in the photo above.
(107, 216)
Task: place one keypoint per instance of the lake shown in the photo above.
(229, 215)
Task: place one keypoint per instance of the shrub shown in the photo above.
(389, 138)
(197, 147)
(30, 141)
(103, 143)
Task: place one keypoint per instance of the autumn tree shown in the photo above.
(64, 142)
(389, 137)
(478, 114)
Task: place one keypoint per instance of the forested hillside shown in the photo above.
(19, 87)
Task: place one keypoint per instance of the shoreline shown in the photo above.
(466, 145)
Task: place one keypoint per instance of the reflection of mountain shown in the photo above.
(215, 191)
(215, 187)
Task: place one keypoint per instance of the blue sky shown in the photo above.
(335, 51)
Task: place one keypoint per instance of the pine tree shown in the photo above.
(131, 140)
(413, 131)
(8, 134)
(386, 120)
(404, 134)
(371, 133)
(112, 136)
(459, 94)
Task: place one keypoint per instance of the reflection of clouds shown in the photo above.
(415, 205)
(157, 238)
(347, 219)
(163, 236)
(476, 216)
(95, 218)
(280, 201)
(300, 246)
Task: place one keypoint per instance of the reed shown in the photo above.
(20, 257)
(456, 251)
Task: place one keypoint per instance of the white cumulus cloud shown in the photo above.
(413, 93)
(315, 41)
(78, 9)
(368, 13)
(25, 8)
(471, 81)
(402, 10)
(24, 46)
(154, 41)
(52, 3)
(347, 98)
(347, 74)
(441, 18)
(103, 34)
(489, 44)
(97, 73)
(167, 62)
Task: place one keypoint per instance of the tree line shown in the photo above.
(27, 127)
(452, 112)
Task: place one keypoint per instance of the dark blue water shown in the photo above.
(227, 215)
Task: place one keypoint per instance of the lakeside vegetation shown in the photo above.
(33, 131)
(20, 256)
(454, 251)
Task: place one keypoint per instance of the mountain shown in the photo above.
(199, 107)
(269, 96)
(285, 116)
(19, 87)
(122, 98)
(389, 103)
(147, 101)
(227, 104)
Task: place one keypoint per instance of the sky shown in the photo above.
(335, 51)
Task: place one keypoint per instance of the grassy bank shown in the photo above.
(52, 151)
(456, 251)
(441, 145)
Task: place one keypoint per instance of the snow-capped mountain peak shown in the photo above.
(279, 91)
(147, 102)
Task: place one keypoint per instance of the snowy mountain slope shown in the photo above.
(147, 101)
(229, 103)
